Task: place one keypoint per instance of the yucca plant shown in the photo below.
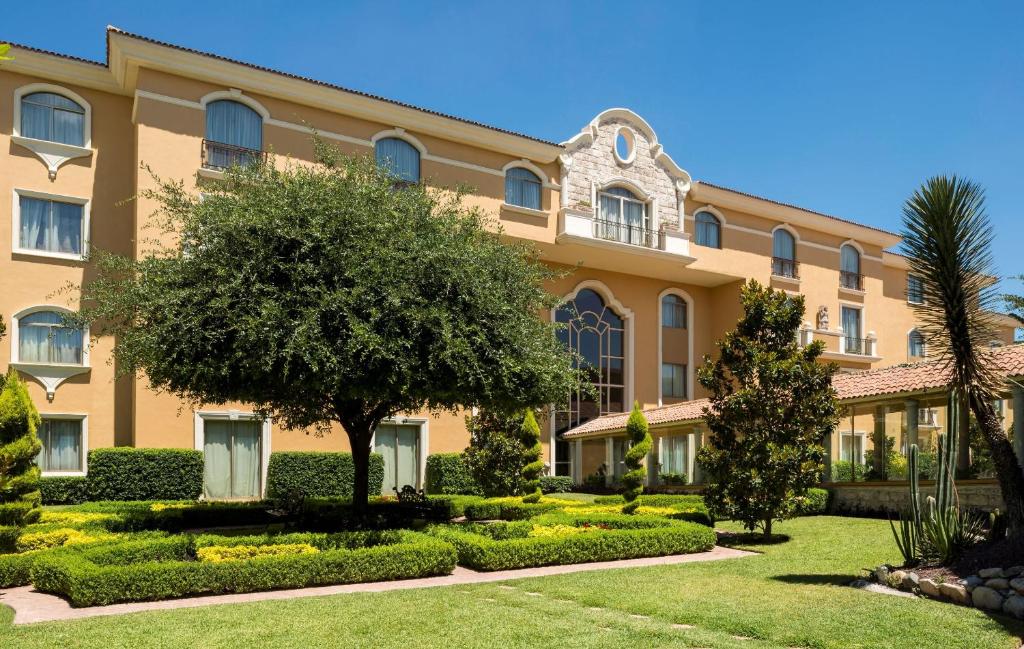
(948, 241)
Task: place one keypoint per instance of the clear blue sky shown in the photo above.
(843, 108)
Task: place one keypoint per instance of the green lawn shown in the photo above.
(788, 597)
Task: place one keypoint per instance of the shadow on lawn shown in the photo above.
(816, 580)
(750, 539)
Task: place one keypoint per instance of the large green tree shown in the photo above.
(948, 240)
(19, 446)
(330, 293)
(772, 404)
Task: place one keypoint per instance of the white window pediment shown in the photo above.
(52, 153)
(40, 360)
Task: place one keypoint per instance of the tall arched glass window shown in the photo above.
(849, 268)
(596, 333)
(709, 230)
(52, 117)
(623, 217)
(673, 312)
(522, 188)
(44, 338)
(234, 134)
(783, 253)
(399, 158)
(915, 344)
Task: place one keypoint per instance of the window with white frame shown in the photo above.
(44, 338)
(234, 135)
(852, 330)
(522, 188)
(915, 289)
(673, 380)
(673, 312)
(398, 158)
(851, 447)
(63, 443)
(52, 117)
(784, 254)
(708, 230)
(673, 459)
(915, 344)
(623, 217)
(50, 225)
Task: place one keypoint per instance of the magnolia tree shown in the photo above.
(330, 293)
(772, 404)
(19, 446)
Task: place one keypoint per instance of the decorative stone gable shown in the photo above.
(591, 163)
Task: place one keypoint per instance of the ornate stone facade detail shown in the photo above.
(823, 318)
(590, 164)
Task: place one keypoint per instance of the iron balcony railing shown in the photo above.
(782, 267)
(632, 234)
(850, 279)
(218, 155)
(858, 346)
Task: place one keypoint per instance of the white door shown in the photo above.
(399, 445)
(232, 455)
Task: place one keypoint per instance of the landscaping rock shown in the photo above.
(991, 573)
(987, 598)
(972, 582)
(1015, 571)
(956, 593)
(896, 578)
(1014, 605)
(910, 581)
(998, 584)
(1018, 585)
(929, 587)
(882, 574)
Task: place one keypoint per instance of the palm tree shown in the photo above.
(947, 237)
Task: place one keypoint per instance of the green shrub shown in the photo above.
(331, 514)
(9, 537)
(145, 474)
(166, 568)
(688, 507)
(19, 446)
(64, 490)
(316, 474)
(815, 503)
(178, 516)
(506, 510)
(456, 505)
(448, 474)
(556, 484)
(510, 545)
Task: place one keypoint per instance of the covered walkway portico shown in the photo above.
(885, 411)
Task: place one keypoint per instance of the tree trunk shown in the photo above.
(359, 437)
(768, 528)
(1008, 470)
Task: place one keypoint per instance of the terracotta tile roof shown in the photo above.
(797, 207)
(898, 379)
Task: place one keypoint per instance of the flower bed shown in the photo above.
(545, 540)
(166, 568)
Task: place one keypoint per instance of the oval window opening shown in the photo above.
(624, 145)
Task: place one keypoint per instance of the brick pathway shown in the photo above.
(32, 606)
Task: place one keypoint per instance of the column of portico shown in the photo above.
(694, 441)
(1018, 422)
(911, 407)
(878, 439)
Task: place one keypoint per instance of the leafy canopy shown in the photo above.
(327, 292)
(772, 404)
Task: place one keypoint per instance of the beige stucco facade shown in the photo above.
(145, 115)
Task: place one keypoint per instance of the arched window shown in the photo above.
(623, 217)
(522, 188)
(673, 312)
(399, 158)
(709, 230)
(52, 117)
(915, 344)
(595, 332)
(783, 253)
(849, 268)
(44, 338)
(234, 134)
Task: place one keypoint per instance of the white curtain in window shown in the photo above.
(217, 459)
(406, 464)
(675, 455)
(35, 220)
(851, 322)
(67, 228)
(245, 459)
(783, 245)
(849, 259)
(52, 117)
(633, 215)
(399, 158)
(62, 445)
(231, 122)
(522, 188)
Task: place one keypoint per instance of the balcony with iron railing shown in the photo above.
(858, 346)
(634, 235)
(782, 267)
(580, 231)
(219, 156)
(851, 280)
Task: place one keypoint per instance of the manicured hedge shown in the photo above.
(815, 503)
(64, 490)
(332, 514)
(688, 507)
(178, 516)
(503, 546)
(508, 510)
(556, 484)
(145, 474)
(166, 568)
(318, 474)
(448, 474)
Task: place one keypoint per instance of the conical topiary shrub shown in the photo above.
(640, 439)
(19, 446)
(529, 435)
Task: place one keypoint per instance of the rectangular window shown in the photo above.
(674, 460)
(233, 458)
(62, 445)
(915, 289)
(855, 344)
(50, 226)
(673, 380)
(619, 449)
(851, 448)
